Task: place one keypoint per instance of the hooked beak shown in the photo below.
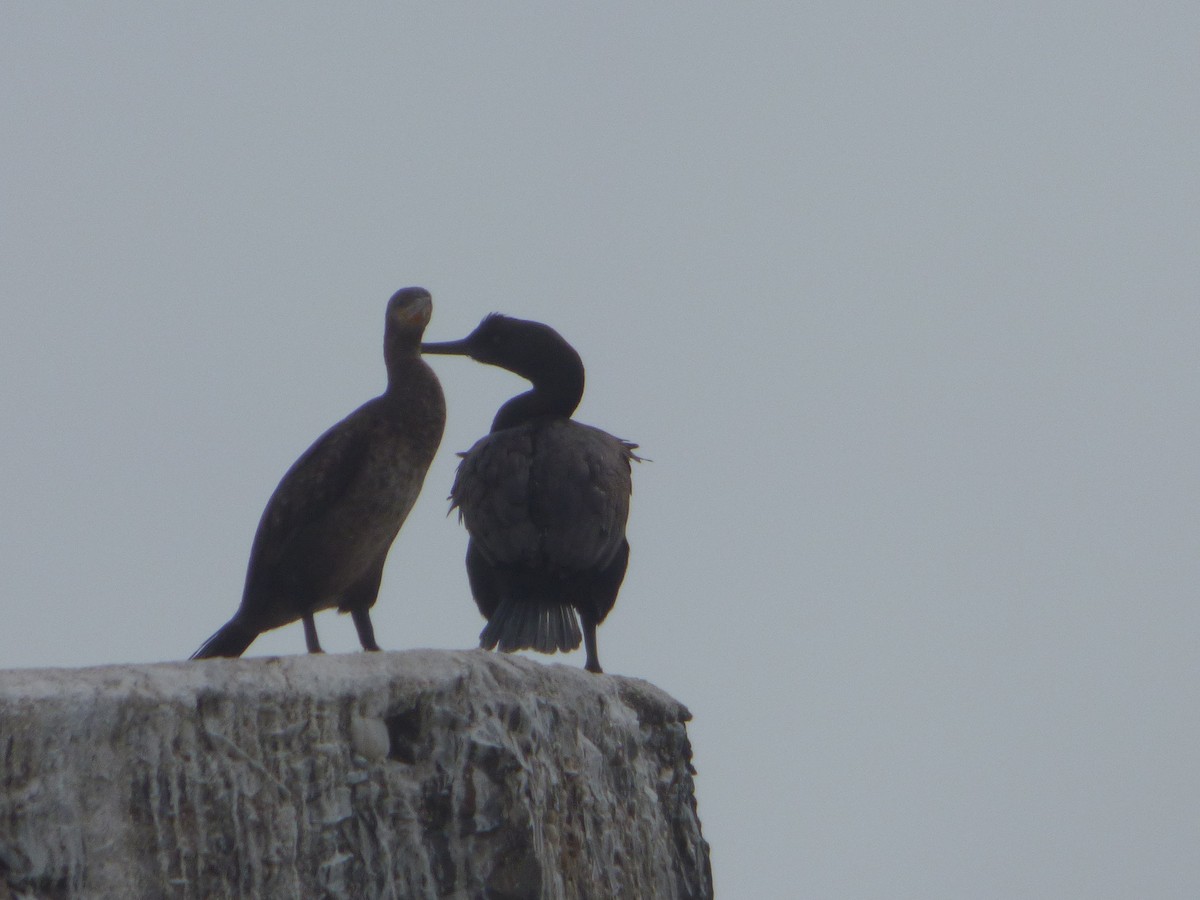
(448, 348)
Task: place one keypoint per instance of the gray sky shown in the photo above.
(901, 299)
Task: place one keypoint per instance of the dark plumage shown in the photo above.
(544, 498)
(325, 534)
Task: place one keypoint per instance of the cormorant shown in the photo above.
(544, 498)
(325, 534)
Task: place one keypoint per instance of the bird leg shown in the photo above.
(366, 631)
(589, 643)
(310, 634)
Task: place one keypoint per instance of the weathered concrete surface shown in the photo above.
(417, 774)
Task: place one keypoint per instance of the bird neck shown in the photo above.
(401, 354)
(552, 395)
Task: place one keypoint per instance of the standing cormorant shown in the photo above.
(325, 534)
(544, 498)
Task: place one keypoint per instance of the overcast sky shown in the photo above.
(902, 300)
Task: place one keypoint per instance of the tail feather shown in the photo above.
(231, 640)
(526, 625)
(565, 628)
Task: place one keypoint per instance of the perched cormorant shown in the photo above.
(327, 529)
(544, 498)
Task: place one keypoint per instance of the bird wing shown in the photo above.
(580, 496)
(309, 488)
(546, 495)
(491, 494)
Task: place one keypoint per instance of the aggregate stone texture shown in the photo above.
(422, 774)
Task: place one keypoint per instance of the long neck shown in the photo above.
(413, 398)
(556, 391)
(401, 353)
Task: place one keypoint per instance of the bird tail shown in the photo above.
(529, 625)
(231, 640)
